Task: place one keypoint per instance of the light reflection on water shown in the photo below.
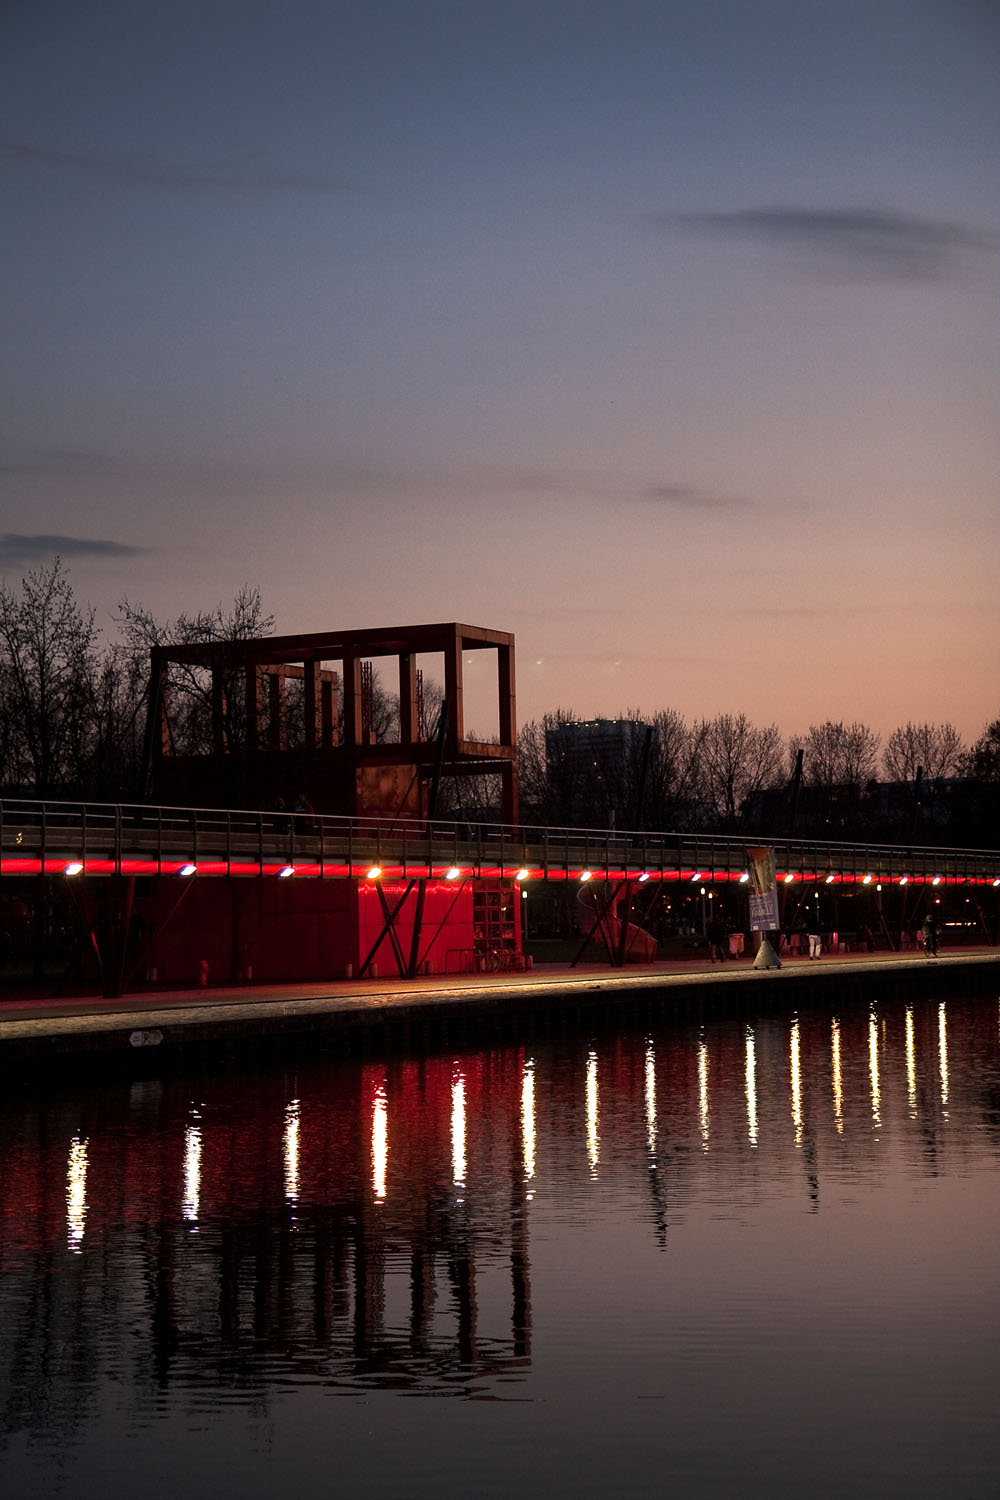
(587, 1297)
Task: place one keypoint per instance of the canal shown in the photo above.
(747, 1253)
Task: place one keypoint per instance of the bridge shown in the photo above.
(436, 894)
(119, 839)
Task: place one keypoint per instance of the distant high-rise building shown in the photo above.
(590, 767)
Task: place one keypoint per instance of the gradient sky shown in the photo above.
(662, 334)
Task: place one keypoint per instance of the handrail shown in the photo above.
(41, 836)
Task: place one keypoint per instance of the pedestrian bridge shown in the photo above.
(78, 839)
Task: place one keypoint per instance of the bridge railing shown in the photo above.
(91, 838)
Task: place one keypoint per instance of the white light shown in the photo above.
(586, 875)
(789, 879)
(828, 880)
(74, 867)
(189, 869)
(285, 871)
(936, 880)
(904, 879)
(996, 882)
(522, 874)
(452, 873)
(744, 877)
(374, 871)
(867, 880)
(644, 876)
(695, 876)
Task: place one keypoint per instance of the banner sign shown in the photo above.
(763, 890)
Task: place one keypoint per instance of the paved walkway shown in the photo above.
(27, 1018)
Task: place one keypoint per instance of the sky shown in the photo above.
(662, 333)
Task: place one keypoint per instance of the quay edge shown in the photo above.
(184, 1028)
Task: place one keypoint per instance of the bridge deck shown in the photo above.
(117, 839)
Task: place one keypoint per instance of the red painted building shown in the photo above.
(280, 723)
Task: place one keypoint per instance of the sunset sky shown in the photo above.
(662, 333)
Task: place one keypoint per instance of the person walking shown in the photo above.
(717, 939)
(930, 935)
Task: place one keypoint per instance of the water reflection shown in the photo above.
(650, 1101)
(750, 1086)
(838, 1082)
(291, 1152)
(192, 1175)
(458, 1162)
(528, 1119)
(380, 1142)
(704, 1117)
(943, 1051)
(76, 1193)
(875, 1089)
(593, 1137)
(911, 1063)
(795, 1081)
(415, 1270)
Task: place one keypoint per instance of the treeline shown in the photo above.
(727, 774)
(73, 708)
(73, 712)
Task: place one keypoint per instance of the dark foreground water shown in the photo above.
(758, 1256)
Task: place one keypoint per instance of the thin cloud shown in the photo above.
(873, 243)
(243, 173)
(684, 497)
(18, 551)
(54, 461)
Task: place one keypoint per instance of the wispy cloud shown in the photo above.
(53, 460)
(874, 243)
(685, 497)
(20, 551)
(248, 173)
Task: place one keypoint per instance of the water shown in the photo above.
(752, 1256)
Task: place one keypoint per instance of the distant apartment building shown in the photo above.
(591, 768)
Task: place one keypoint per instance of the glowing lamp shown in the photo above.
(285, 871)
(744, 877)
(586, 875)
(936, 880)
(644, 876)
(522, 874)
(374, 871)
(188, 869)
(867, 880)
(74, 867)
(452, 873)
(789, 878)
(904, 879)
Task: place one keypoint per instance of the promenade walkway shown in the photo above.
(91, 1022)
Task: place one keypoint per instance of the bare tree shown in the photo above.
(936, 749)
(673, 769)
(548, 790)
(189, 688)
(840, 755)
(983, 760)
(48, 668)
(735, 760)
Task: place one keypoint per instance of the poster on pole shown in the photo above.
(763, 890)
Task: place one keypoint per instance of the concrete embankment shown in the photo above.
(157, 1029)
